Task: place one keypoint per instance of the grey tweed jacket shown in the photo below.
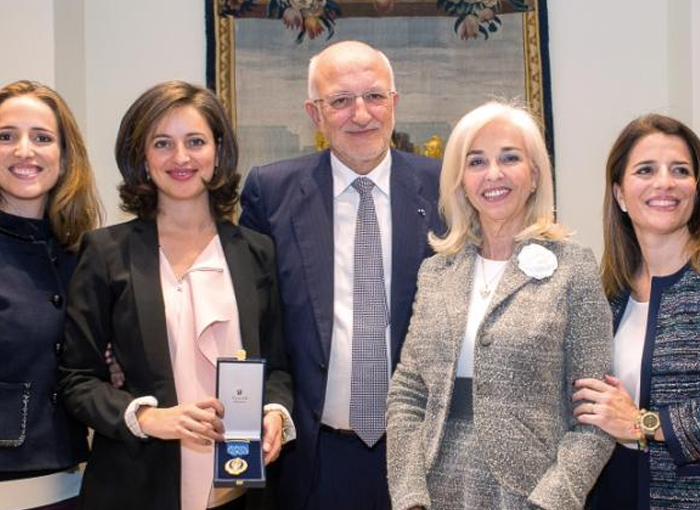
(536, 338)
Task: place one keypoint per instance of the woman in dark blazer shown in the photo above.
(47, 202)
(172, 291)
(650, 273)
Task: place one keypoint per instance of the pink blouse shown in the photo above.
(202, 321)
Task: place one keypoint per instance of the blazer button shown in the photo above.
(56, 300)
(322, 367)
(58, 347)
(317, 415)
(54, 397)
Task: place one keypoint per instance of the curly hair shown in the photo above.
(139, 195)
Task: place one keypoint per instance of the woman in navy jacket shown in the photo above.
(47, 202)
(650, 274)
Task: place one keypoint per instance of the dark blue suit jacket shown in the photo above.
(292, 201)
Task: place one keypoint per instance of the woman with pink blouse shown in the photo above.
(172, 291)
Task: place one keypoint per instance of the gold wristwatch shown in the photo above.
(649, 423)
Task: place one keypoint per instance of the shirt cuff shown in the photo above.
(130, 414)
(289, 431)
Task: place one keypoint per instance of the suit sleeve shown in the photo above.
(279, 380)
(681, 426)
(584, 449)
(254, 217)
(253, 207)
(406, 410)
(84, 376)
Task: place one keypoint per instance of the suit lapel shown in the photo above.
(409, 225)
(238, 259)
(312, 221)
(459, 288)
(150, 309)
(457, 293)
(513, 280)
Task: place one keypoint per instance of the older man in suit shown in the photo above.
(350, 225)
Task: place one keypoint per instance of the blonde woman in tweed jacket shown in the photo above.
(507, 316)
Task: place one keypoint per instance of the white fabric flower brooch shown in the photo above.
(537, 262)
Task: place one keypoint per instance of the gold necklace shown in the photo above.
(486, 289)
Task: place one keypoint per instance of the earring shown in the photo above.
(623, 208)
(148, 173)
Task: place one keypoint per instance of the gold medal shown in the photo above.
(236, 466)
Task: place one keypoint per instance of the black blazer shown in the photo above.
(115, 296)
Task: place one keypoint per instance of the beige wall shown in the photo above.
(610, 62)
(27, 40)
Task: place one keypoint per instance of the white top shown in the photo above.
(628, 347)
(346, 201)
(487, 275)
(40, 491)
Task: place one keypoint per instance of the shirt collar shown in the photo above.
(343, 176)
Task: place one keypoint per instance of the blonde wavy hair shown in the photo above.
(461, 218)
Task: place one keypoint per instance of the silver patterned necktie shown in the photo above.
(370, 319)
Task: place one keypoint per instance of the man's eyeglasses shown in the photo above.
(370, 98)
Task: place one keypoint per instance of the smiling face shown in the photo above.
(181, 155)
(360, 134)
(658, 188)
(499, 178)
(30, 155)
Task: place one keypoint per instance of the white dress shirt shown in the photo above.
(346, 201)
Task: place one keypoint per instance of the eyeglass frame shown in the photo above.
(353, 104)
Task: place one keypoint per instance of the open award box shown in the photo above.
(240, 384)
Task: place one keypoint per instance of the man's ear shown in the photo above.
(313, 112)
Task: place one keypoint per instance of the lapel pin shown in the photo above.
(421, 212)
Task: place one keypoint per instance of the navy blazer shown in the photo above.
(36, 435)
(115, 296)
(670, 384)
(292, 201)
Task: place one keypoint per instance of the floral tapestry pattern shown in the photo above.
(448, 57)
(312, 17)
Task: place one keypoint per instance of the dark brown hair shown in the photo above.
(622, 256)
(73, 206)
(138, 194)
